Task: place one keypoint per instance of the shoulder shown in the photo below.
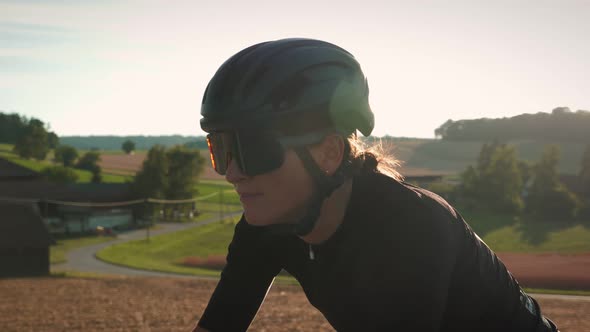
(382, 192)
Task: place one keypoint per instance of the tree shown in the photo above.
(59, 174)
(89, 161)
(584, 176)
(547, 197)
(12, 127)
(33, 143)
(585, 169)
(52, 140)
(441, 132)
(152, 178)
(184, 167)
(495, 183)
(128, 146)
(96, 176)
(66, 154)
(169, 174)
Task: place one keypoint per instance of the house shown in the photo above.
(24, 241)
(64, 207)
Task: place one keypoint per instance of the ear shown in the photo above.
(329, 153)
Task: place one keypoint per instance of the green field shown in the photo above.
(162, 253)
(507, 233)
(165, 251)
(36, 165)
(539, 238)
(225, 193)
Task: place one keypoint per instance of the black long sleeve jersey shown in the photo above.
(402, 258)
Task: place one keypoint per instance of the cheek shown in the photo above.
(286, 192)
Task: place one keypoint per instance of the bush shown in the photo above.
(559, 203)
(66, 155)
(59, 174)
(215, 262)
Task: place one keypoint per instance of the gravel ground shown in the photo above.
(173, 304)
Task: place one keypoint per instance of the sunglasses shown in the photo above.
(256, 152)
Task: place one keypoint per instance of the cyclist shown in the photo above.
(371, 252)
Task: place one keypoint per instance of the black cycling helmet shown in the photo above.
(280, 94)
(289, 82)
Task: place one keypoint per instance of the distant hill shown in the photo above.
(560, 125)
(421, 155)
(453, 157)
(114, 142)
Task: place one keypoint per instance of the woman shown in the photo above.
(371, 252)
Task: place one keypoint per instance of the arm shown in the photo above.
(244, 282)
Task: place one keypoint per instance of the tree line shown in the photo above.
(141, 142)
(500, 182)
(69, 158)
(560, 125)
(31, 137)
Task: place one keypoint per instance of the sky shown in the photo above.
(129, 67)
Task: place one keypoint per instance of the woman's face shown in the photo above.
(279, 196)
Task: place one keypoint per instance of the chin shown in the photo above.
(258, 219)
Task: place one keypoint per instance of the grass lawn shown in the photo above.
(539, 238)
(38, 165)
(58, 252)
(225, 192)
(506, 233)
(163, 252)
(501, 233)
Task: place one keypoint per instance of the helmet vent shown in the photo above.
(288, 94)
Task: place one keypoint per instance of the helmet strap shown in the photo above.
(324, 187)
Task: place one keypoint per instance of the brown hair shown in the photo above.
(367, 158)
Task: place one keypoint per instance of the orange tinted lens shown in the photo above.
(211, 155)
(218, 144)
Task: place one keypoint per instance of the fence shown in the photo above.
(79, 217)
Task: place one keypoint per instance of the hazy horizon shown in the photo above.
(131, 68)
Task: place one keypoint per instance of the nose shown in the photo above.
(234, 174)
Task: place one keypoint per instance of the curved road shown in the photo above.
(84, 259)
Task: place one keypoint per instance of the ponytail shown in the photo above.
(375, 158)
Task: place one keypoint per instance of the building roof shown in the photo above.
(79, 192)
(12, 171)
(21, 226)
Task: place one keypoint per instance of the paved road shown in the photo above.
(84, 259)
